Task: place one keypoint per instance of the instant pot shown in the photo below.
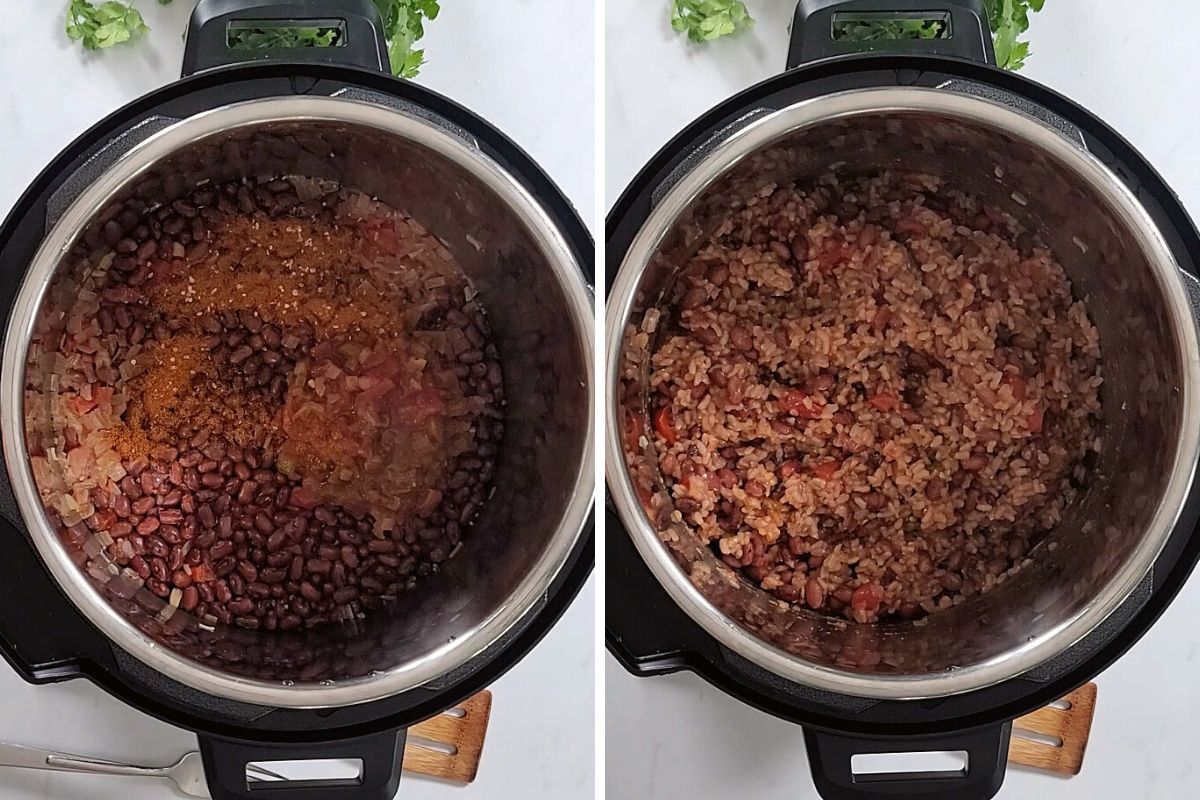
(954, 680)
(346, 690)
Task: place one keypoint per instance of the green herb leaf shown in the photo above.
(105, 25)
(1009, 19)
(403, 26)
(705, 20)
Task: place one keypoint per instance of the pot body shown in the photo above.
(527, 254)
(970, 670)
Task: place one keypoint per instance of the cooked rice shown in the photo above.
(876, 397)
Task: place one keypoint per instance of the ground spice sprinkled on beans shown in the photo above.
(871, 407)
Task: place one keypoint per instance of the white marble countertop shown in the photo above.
(679, 737)
(493, 58)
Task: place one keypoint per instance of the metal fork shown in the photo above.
(187, 773)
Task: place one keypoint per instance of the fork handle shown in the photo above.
(15, 755)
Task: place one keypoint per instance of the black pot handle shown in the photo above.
(813, 31)
(361, 42)
(830, 754)
(382, 756)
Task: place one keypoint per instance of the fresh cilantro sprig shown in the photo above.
(404, 25)
(98, 25)
(104, 25)
(1009, 19)
(705, 20)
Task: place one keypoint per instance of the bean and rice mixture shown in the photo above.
(273, 404)
(876, 396)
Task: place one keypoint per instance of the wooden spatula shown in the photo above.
(1053, 738)
(449, 745)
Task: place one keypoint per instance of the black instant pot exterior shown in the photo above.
(650, 635)
(45, 639)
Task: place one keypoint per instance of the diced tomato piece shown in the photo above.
(884, 401)
(799, 403)
(883, 315)
(867, 597)
(79, 405)
(303, 497)
(203, 573)
(1016, 383)
(825, 470)
(1035, 420)
(910, 226)
(833, 252)
(662, 424)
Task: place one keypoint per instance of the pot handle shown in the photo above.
(382, 756)
(830, 757)
(815, 29)
(360, 41)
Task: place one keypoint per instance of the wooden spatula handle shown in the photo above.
(1054, 738)
(449, 745)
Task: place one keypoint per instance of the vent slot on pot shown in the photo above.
(935, 763)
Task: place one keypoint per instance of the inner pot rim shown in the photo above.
(521, 601)
(723, 157)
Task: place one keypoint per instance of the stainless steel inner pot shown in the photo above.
(541, 312)
(1117, 261)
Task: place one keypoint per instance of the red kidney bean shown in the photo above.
(241, 606)
(272, 575)
(158, 568)
(247, 570)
